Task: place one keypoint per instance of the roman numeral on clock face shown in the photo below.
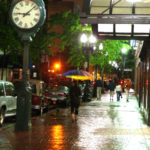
(26, 25)
(16, 19)
(36, 20)
(27, 3)
(20, 23)
(21, 4)
(31, 23)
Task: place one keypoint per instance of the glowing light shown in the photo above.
(124, 50)
(83, 38)
(101, 46)
(92, 39)
(57, 66)
(94, 47)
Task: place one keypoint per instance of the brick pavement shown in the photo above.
(102, 125)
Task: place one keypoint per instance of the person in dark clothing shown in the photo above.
(112, 86)
(75, 93)
(99, 85)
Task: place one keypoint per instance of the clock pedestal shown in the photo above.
(27, 17)
(23, 119)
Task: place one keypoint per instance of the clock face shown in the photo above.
(26, 14)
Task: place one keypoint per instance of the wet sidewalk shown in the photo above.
(102, 125)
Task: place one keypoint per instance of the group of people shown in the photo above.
(114, 86)
(75, 93)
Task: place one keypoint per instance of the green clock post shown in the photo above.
(27, 16)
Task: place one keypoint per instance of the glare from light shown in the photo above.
(92, 39)
(113, 63)
(94, 47)
(106, 54)
(33, 66)
(83, 38)
(101, 46)
(124, 50)
(57, 66)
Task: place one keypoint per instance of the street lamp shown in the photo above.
(124, 51)
(57, 67)
(88, 42)
(100, 46)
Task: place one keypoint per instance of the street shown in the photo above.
(102, 125)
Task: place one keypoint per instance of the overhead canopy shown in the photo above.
(118, 19)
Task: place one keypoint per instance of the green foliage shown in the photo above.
(69, 32)
(40, 44)
(130, 61)
(9, 40)
(70, 26)
(111, 52)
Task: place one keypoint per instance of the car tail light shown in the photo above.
(54, 102)
(46, 93)
(36, 100)
(61, 94)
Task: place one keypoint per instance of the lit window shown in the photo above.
(105, 27)
(141, 28)
(123, 28)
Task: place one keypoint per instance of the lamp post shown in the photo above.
(124, 51)
(88, 42)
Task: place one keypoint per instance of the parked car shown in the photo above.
(57, 95)
(39, 101)
(8, 100)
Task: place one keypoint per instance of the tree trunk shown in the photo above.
(3, 64)
(102, 75)
(96, 71)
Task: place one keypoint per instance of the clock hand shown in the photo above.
(27, 13)
(19, 13)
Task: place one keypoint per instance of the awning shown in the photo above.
(118, 19)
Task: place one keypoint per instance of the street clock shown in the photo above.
(27, 16)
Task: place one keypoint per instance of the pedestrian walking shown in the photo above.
(99, 85)
(112, 86)
(74, 93)
(127, 85)
(118, 91)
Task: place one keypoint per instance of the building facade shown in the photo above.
(142, 78)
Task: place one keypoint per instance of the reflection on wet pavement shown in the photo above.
(102, 125)
(57, 134)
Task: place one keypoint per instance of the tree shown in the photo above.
(66, 27)
(9, 41)
(111, 52)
